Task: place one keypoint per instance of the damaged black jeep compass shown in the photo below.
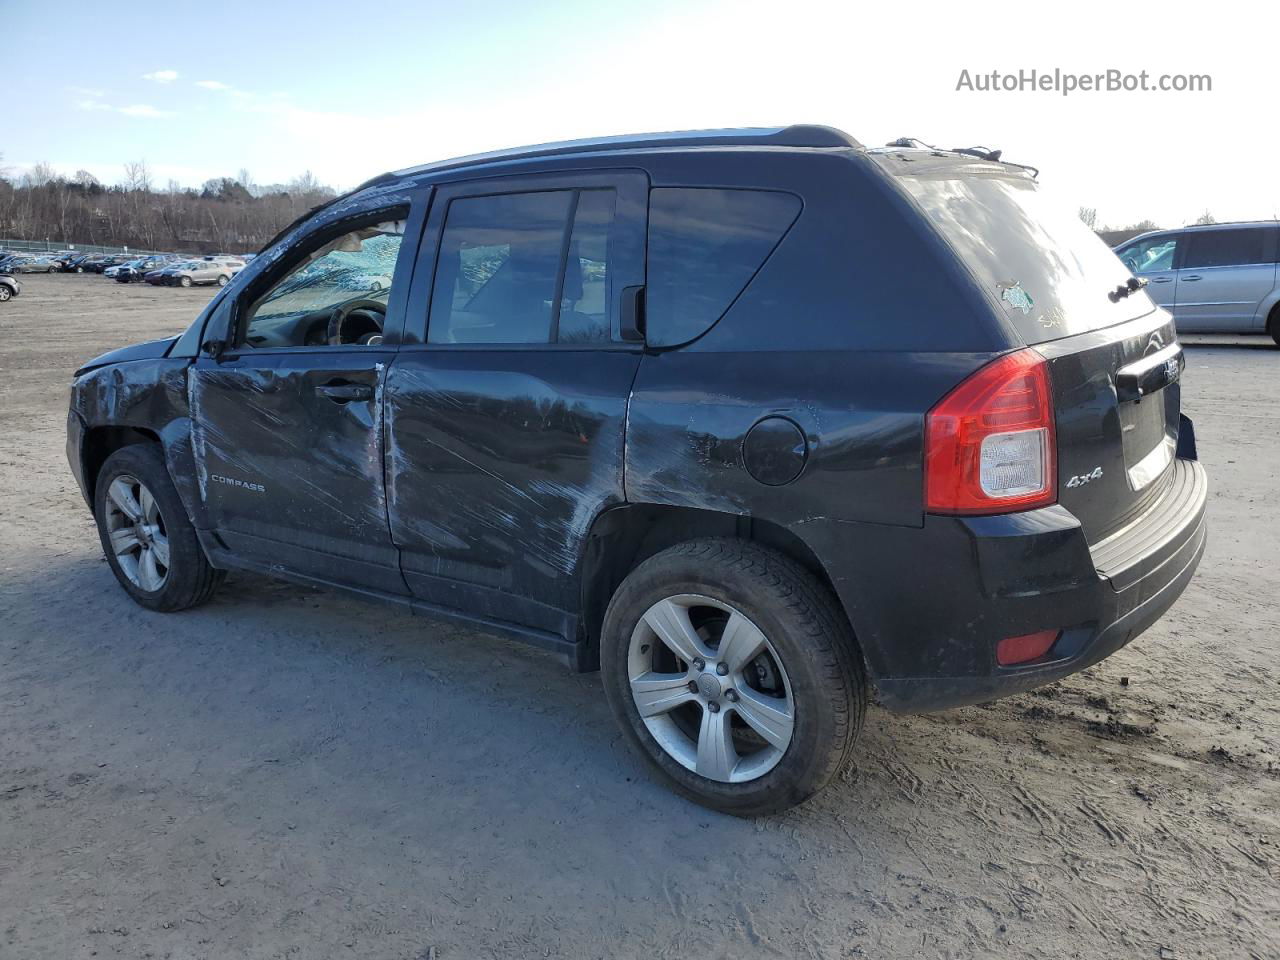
(758, 422)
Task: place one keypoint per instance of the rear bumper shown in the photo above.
(931, 607)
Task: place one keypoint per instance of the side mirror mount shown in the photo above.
(216, 334)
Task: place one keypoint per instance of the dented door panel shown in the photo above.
(498, 461)
(290, 469)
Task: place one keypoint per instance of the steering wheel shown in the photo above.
(372, 312)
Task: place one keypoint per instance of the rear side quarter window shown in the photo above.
(704, 247)
(1226, 248)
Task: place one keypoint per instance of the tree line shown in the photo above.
(225, 214)
(1089, 216)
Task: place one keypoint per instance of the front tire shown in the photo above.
(1273, 324)
(733, 672)
(146, 536)
(185, 282)
(5, 294)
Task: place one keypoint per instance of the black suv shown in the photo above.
(757, 422)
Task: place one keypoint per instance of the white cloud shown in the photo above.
(161, 76)
(87, 92)
(132, 110)
(142, 110)
(213, 85)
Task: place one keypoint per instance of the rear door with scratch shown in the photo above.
(506, 404)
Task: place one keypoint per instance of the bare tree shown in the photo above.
(137, 176)
(1206, 218)
(82, 210)
(40, 174)
(1089, 217)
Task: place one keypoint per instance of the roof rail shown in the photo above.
(796, 135)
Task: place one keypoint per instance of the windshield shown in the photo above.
(1051, 274)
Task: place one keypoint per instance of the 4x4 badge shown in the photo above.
(1013, 294)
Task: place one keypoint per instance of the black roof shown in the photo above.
(797, 135)
(800, 135)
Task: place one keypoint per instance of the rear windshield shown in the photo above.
(1050, 273)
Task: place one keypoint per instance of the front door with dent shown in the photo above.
(287, 420)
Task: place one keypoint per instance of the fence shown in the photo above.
(40, 246)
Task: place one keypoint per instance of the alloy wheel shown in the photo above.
(137, 533)
(711, 688)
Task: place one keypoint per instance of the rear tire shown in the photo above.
(185, 282)
(139, 512)
(791, 713)
(1273, 324)
(5, 294)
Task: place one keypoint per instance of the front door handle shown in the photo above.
(340, 392)
(1194, 276)
(1161, 279)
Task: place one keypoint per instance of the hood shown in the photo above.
(150, 350)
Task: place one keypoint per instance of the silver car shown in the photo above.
(205, 271)
(1217, 278)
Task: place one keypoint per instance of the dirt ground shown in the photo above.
(290, 773)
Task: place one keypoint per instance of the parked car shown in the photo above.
(9, 287)
(75, 264)
(195, 272)
(360, 280)
(159, 276)
(110, 260)
(135, 270)
(30, 264)
(1216, 278)
(756, 422)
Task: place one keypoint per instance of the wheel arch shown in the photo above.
(101, 442)
(624, 536)
(1271, 314)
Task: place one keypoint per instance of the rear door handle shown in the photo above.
(1194, 276)
(345, 392)
(1161, 279)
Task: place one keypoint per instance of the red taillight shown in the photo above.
(989, 444)
(1032, 646)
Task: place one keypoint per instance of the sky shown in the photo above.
(349, 90)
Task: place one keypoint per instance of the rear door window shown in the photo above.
(1226, 248)
(524, 268)
(704, 247)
